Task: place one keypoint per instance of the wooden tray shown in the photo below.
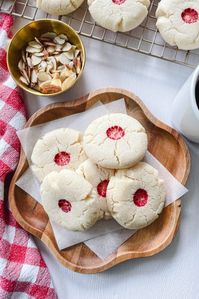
(164, 143)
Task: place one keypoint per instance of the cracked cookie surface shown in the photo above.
(178, 23)
(99, 178)
(115, 141)
(136, 196)
(119, 15)
(70, 200)
(57, 150)
(59, 7)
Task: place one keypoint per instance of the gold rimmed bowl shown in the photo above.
(28, 33)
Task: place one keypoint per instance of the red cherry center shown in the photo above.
(118, 2)
(65, 205)
(102, 188)
(115, 132)
(140, 198)
(62, 158)
(189, 15)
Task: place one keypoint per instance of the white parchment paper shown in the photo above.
(106, 236)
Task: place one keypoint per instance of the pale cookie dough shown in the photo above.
(99, 178)
(178, 23)
(59, 7)
(69, 200)
(119, 15)
(115, 141)
(58, 149)
(136, 196)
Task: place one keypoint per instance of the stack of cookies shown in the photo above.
(98, 175)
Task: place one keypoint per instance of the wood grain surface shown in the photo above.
(164, 143)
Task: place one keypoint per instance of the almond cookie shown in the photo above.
(119, 15)
(115, 141)
(178, 23)
(136, 196)
(69, 200)
(58, 149)
(59, 7)
(99, 178)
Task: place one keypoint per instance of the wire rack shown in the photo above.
(144, 39)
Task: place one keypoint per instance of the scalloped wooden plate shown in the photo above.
(164, 143)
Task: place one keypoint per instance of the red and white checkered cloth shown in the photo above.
(23, 273)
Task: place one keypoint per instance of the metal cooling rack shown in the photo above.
(144, 39)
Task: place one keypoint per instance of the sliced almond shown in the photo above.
(64, 59)
(35, 60)
(69, 55)
(50, 49)
(43, 76)
(24, 56)
(35, 44)
(49, 44)
(65, 74)
(29, 62)
(67, 47)
(39, 54)
(51, 86)
(42, 66)
(56, 75)
(32, 50)
(22, 79)
(70, 65)
(78, 65)
(21, 65)
(58, 48)
(58, 40)
(34, 77)
(25, 75)
(77, 52)
(68, 82)
(63, 36)
(49, 34)
(38, 41)
(54, 62)
(49, 67)
(45, 54)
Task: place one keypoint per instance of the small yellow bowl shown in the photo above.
(28, 33)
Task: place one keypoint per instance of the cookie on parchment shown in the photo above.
(119, 15)
(178, 23)
(99, 178)
(136, 196)
(70, 200)
(57, 150)
(115, 141)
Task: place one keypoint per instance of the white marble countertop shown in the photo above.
(174, 272)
